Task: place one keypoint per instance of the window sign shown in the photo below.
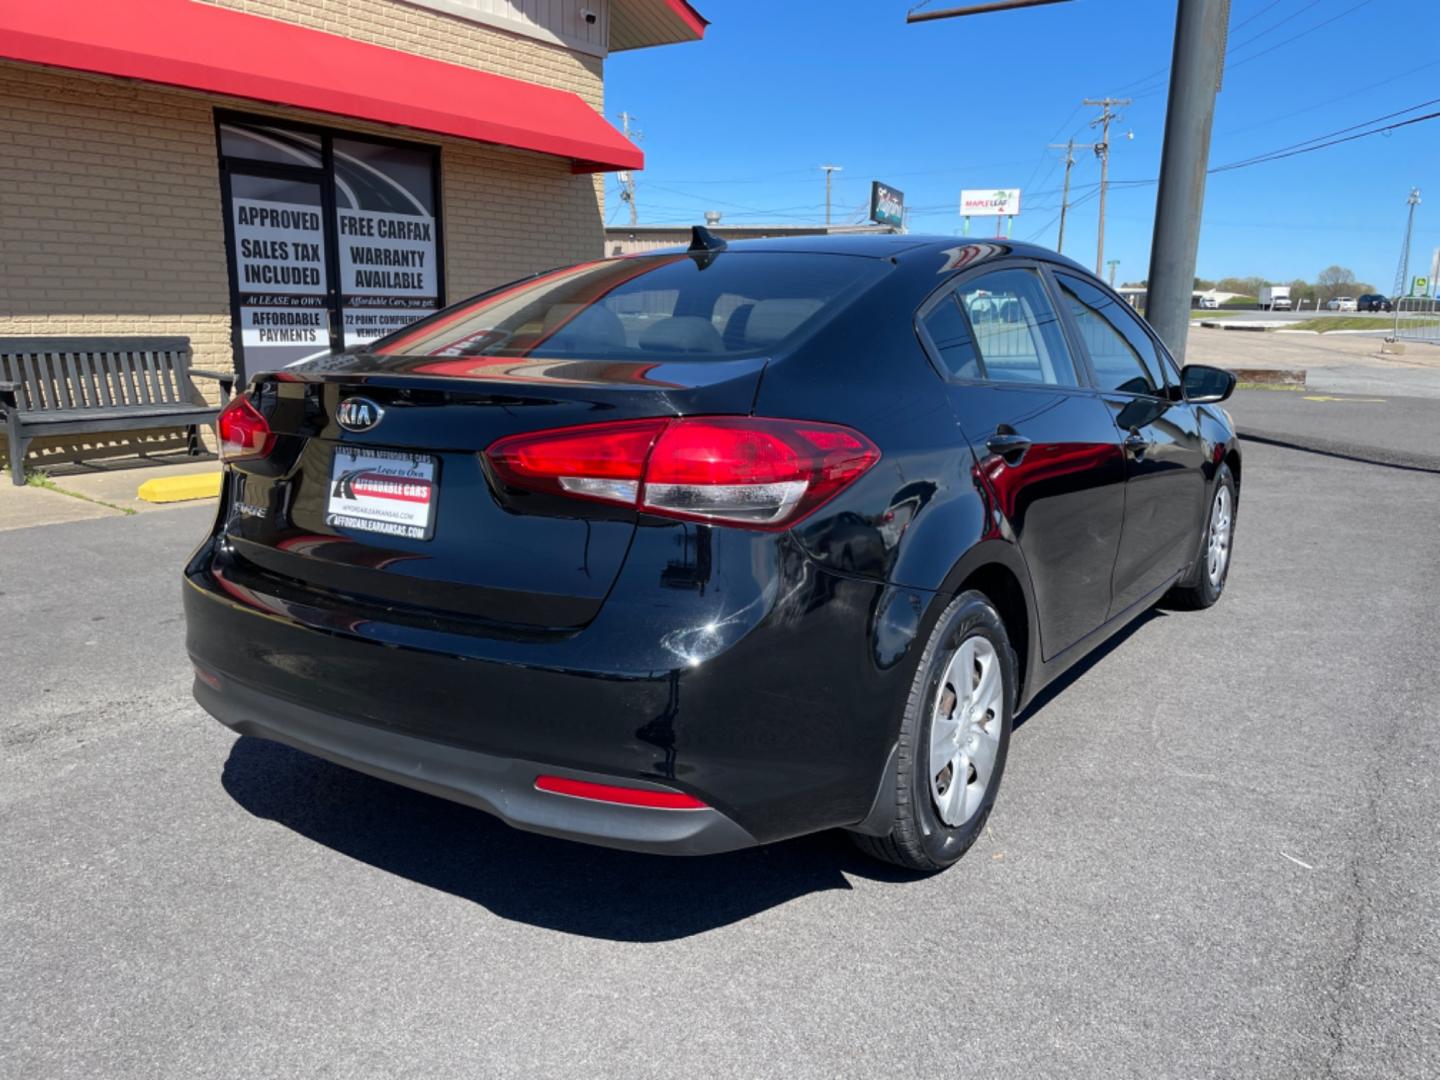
(334, 240)
(279, 270)
(386, 228)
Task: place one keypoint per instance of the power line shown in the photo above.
(1142, 86)
(1288, 151)
(1268, 30)
(1300, 148)
(1296, 37)
(1323, 145)
(1350, 96)
(1246, 22)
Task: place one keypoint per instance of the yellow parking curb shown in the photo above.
(167, 489)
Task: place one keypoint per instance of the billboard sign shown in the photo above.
(990, 202)
(887, 204)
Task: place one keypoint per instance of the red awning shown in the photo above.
(200, 47)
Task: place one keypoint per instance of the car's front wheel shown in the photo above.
(954, 737)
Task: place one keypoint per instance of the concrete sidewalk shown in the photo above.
(109, 488)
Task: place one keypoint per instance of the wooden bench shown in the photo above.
(81, 386)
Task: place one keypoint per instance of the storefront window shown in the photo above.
(334, 240)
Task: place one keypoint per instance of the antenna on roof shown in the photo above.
(702, 239)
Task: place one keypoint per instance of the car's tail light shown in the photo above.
(738, 470)
(244, 433)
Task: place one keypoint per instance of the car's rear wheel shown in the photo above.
(1206, 580)
(954, 738)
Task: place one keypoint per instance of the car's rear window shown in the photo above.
(682, 305)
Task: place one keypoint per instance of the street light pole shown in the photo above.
(1195, 74)
(829, 171)
(1065, 194)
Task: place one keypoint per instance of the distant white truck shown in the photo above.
(1275, 298)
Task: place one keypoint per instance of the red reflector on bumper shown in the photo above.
(625, 796)
(205, 675)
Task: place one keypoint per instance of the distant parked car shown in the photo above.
(1209, 303)
(1374, 302)
(1341, 303)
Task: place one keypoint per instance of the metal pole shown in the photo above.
(829, 171)
(1104, 183)
(1402, 277)
(627, 178)
(1065, 194)
(1195, 73)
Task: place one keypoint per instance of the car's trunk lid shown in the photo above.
(403, 519)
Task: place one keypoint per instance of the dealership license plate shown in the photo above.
(383, 491)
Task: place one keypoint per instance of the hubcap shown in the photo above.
(965, 731)
(1218, 550)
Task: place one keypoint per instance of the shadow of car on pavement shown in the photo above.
(541, 881)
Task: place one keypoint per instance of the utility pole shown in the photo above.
(1197, 66)
(1112, 264)
(829, 170)
(1402, 275)
(1069, 148)
(1102, 151)
(627, 178)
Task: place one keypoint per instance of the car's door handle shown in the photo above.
(1009, 445)
(1137, 444)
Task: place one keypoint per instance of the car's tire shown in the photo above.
(1206, 580)
(936, 821)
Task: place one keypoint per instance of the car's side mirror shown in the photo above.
(1203, 383)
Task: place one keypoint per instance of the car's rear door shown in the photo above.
(1044, 443)
(1164, 451)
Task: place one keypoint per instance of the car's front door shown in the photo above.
(1043, 441)
(1164, 453)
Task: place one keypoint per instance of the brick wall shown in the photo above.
(110, 212)
(397, 25)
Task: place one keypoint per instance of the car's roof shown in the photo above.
(889, 245)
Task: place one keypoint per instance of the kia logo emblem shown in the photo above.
(358, 414)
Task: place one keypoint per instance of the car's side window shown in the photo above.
(1016, 330)
(950, 334)
(1121, 352)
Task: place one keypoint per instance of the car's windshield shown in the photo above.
(696, 306)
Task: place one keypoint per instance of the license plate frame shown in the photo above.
(379, 490)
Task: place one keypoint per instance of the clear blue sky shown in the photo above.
(741, 121)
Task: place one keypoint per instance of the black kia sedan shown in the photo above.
(702, 549)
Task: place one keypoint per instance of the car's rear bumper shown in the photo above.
(501, 786)
(771, 695)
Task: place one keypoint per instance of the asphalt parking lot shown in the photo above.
(1214, 856)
